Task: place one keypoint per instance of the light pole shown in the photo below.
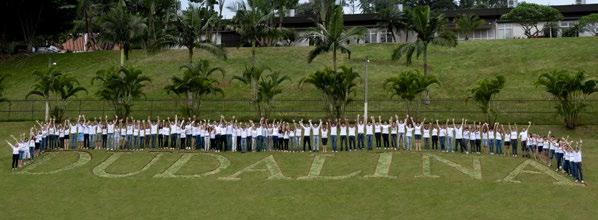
(365, 98)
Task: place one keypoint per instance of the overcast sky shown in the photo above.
(229, 14)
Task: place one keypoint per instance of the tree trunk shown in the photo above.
(253, 59)
(334, 59)
(47, 108)
(190, 106)
(426, 98)
(122, 56)
(190, 54)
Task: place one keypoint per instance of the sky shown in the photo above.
(228, 14)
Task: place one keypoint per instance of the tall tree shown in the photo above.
(66, 87)
(251, 76)
(253, 25)
(121, 27)
(45, 85)
(429, 30)
(338, 88)
(332, 37)
(268, 88)
(189, 27)
(121, 86)
(570, 91)
(467, 24)
(483, 92)
(590, 23)
(529, 15)
(408, 85)
(196, 82)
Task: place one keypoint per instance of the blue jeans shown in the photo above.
(316, 142)
(401, 141)
(243, 145)
(360, 141)
(498, 147)
(333, 142)
(449, 143)
(369, 139)
(73, 137)
(491, 145)
(442, 142)
(408, 140)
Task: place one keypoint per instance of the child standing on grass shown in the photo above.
(426, 136)
(352, 134)
(417, 130)
(498, 139)
(15, 154)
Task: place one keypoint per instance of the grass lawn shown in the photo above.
(520, 61)
(79, 193)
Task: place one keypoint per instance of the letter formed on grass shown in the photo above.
(475, 173)
(223, 163)
(268, 162)
(383, 167)
(560, 180)
(84, 158)
(100, 170)
(316, 169)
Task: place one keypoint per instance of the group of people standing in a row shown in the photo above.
(340, 135)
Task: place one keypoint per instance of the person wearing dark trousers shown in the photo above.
(360, 133)
(15, 155)
(351, 134)
(343, 134)
(378, 132)
(385, 127)
(333, 134)
(514, 136)
(306, 135)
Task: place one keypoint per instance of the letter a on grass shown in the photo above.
(560, 180)
(316, 169)
(223, 163)
(475, 173)
(100, 170)
(270, 165)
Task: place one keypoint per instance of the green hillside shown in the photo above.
(520, 61)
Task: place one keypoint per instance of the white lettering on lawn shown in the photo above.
(84, 158)
(475, 173)
(270, 165)
(316, 169)
(223, 163)
(383, 167)
(560, 180)
(100, 170)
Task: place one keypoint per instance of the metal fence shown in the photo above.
(519, 111)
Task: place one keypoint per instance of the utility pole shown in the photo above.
(365, 98)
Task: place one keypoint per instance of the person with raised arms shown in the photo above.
(315, 130)
(360, 132)
(417, 130)
(401, 125)
(450, 137)
(426, 135)
(409, 134)
(523, 137)
(378, 132)
(343, 134)
(394, 132)
(369, 132)
(459, 146)
(324, 136)
(15, 154)
(385, 127)
(442, 135)
(333, 133)
(306, 135)
(498, 138)
(514, 135)
(352, 133)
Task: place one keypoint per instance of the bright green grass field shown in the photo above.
(79, 194)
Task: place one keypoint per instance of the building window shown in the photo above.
(504, 31)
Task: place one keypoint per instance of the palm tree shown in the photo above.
(44, 86)
(408, 85)
(195, 83)
(331, 37)
(338, 88)
(467, 24)
(121, 27)
(390, 18)
(66, 87)
(253, 25)
(484, 91)
(189, 27)
(268, 88)
(251, 76)
(429, 29)
(121, 86)
(570, 90)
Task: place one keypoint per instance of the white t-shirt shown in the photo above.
(333, 130)
(351, 131)
(343, 131)
(369, 129)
